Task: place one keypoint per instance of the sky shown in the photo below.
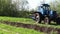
(34, 3)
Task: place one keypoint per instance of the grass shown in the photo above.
(2, 31)
(7, 29)
(26, 21)
(14, 19)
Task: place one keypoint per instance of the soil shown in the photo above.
(35, 27)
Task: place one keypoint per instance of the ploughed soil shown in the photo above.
(47, 30)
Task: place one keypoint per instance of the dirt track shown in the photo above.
(35, 27)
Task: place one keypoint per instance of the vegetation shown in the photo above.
(13, 30)
(14, 19)
(7, 29)
(55, 5)
(26, 21)
(7, 8)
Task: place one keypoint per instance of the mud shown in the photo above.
(47, 30)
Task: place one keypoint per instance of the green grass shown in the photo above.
(14, 19)
(7, 29)
(26, 21)
(6, 32)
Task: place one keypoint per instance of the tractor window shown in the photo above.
(47, 8)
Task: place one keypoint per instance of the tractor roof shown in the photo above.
(46, 5)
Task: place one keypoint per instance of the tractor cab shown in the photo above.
(46, 6)
(44, 9)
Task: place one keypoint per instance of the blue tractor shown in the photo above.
(45, 13)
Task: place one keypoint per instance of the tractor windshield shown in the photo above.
(40, 9)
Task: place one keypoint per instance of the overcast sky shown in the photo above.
(35, 3)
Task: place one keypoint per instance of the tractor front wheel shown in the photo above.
(47, 20)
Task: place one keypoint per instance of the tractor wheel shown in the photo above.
(38, 18)
(47, 20)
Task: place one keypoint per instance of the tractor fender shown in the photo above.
(37, 12)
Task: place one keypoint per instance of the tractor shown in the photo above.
(45, 14)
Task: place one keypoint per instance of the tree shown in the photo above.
(3, 4)
(55, 5)
(7, 8)
(22, 4)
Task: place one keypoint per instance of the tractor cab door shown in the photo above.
(46, 8)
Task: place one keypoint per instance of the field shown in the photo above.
(19, 30)
(7, 29)
(25, 21)
(14, 19)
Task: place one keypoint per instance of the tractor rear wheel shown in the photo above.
(38, 18)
